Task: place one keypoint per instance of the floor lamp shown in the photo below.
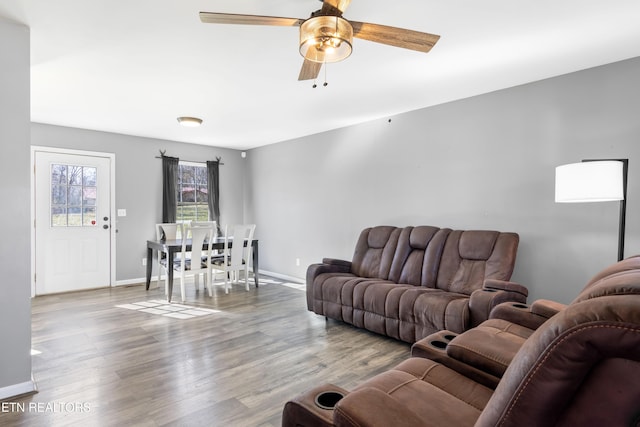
(595, 180)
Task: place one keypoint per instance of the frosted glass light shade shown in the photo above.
(325, 39)
(598, 181)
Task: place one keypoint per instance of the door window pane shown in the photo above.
(89, 216)
(59, 194)
(59, 216)
(89, 176)
(75, 175)
(73, 196)
(89, 196)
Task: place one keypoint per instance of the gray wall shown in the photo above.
(15, 302)
(486, 162)
(139, 183)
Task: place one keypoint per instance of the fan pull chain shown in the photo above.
(325, 74)
(325, 84)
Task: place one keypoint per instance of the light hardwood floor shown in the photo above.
(101, 365)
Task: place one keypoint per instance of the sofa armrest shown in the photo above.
(494, 292)
(337, 262)
(547, 308)
(372, 407)
(504, 285)
(519, 314)
(305, 410)
(328, 265)
(528, 316)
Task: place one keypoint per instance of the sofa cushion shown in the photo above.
(477, 245)
(374, 252)
(489, 347)
(328, 294)
(617, 279)
(451, 396)
(471, 257)
(437, 311)
(417, 256)
(403, 312)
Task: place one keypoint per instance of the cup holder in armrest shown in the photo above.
(438, 344)
(328, 399)
(518, 305)
(449, 337)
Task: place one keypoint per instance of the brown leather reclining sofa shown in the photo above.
(409, 282)
(580, 366)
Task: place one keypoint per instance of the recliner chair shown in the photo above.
(579, 367)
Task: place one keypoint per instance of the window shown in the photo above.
(73, 196)
(192, 203)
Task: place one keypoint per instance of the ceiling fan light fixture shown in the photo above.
(326, 39)
(190, 122)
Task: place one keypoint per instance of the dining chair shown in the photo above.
(195, 261)
(214, 254)
(234, 258)
(208, 223)
(166, 231)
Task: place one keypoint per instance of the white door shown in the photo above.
(72, 222)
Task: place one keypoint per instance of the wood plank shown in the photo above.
(234, 367)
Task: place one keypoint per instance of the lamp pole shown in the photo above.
(623, 203)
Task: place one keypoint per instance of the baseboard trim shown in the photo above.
(142, 280)
(282, 276)
(128, 282)
(14, 390)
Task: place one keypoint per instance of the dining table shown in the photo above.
(172, 247)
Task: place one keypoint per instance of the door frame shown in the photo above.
(112, 208)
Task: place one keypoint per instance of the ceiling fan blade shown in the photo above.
(333, 7)
(232, 18)
(309, 70)
(399, 37)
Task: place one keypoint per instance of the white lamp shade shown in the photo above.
(597, 181)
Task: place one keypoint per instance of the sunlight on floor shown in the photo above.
(298, 286)
(163, 308)
(268, 281)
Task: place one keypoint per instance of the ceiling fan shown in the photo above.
(327, 37)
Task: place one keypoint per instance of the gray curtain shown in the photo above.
(169, 188)
(213, 188)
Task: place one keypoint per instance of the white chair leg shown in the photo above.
(182, 288)
(210, 283)
(246, 278)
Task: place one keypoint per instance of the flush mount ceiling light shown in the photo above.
(325, 39)
(191, 122)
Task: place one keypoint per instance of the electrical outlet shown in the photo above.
(297, 262)
(144, 261)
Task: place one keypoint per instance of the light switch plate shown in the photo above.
(122, 212)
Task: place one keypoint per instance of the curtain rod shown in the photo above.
(190, 161)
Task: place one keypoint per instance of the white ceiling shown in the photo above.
(133, 66)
